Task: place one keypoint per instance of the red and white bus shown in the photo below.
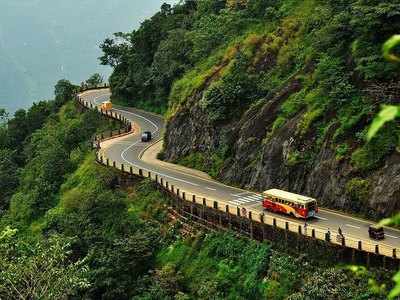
(299, 206)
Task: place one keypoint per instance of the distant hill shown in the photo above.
(42, 41)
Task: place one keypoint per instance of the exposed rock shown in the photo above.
(258, 163)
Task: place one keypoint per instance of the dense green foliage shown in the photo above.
(64, 219)
(235, 54)
(103, 242)
(222, 266)
(39, 270)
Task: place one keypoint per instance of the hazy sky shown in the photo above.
(42, 41)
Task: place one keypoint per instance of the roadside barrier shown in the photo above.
(311, 231)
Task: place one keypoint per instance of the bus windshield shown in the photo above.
(311, 205)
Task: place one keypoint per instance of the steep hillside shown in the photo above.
(68, 230)
(265, 94)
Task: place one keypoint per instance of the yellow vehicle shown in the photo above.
(106, 105)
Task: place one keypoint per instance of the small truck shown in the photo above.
(106, 106)
(146, 136)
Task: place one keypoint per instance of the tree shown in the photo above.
(39, 270)
(94, 80)
(8, 177)
(64, 91)
(3, 116)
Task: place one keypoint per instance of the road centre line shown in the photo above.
(139, 116)
(135, 143)
(321, 218)
(211, 189)
(393, 237)
(349, 225)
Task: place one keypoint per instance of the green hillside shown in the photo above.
(265, 94)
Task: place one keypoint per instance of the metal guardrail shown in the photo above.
(312, 230)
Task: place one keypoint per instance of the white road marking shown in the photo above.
(211, 189)
(247, 199)
(255, 204)
(139, 116)
(349, 225)
(123, 153)
(393, 237)
(237, 195)
(258, 197)
(321, 218)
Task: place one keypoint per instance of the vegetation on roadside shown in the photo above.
(68, 230)
(233, 55)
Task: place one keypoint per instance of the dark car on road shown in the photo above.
(376, 232)
(146, 136)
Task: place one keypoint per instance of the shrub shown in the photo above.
(358, 189)
(371, 154)
(341, 151)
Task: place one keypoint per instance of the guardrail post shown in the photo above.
(227, 208)
(299, 229)
(161, 182)
(262, 218)
(149, 175)
(238, 211)
(274, 222)
(394, 253)
(194, 198)
(108, 162)
(376, 249)
(183, 195)
(191, 210)
(313, 233)
(114, 164)
(177, 192)
(131, 169)
(250, 215)
(122, 168)
(360, 245)
(157, 178)
(215, 205)
(172, 189)
(343, 241)
(287, 225)
(204, 202)
(251, 226)
(166, 185)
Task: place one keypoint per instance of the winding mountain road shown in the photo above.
(129, 150)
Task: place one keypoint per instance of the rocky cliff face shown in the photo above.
(286, 159)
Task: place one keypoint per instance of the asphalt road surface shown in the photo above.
(129, 150)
